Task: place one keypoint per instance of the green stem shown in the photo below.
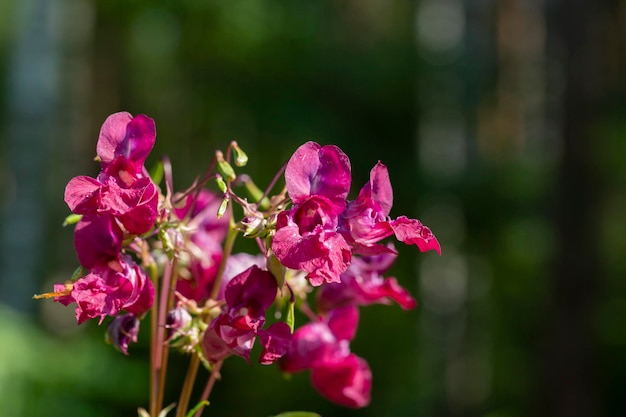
(154, 408)
(209, 386)
(190, 379)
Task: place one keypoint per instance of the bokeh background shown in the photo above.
(502, 123)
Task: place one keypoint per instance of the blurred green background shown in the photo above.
(502, 123)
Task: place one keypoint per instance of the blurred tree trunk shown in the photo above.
(32, 98)
(569, 383)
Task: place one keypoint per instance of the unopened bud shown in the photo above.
(241, 159)
(221, 184)
(253, 226)
(222, 209)
(224, 167)
(72, 219)
(177, 322)
(122, 331)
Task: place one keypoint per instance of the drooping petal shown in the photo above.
(413, 232)
(347, 382)
(276, 340)
(316, 170)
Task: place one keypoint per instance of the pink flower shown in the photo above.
(363, 284)
(366, 220)
(122, 189)
(324, 348)
(318, 181)
(248, 296)
(110, 287)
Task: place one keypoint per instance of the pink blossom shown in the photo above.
(364, 284)
(109, 288)
(318, 180)
(248, 296)
(324, 348)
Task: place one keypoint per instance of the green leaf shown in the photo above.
(197, 407)
(298, 414)
(78, 272)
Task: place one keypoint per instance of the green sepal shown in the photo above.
(291, 316)
(202, 403)
(72, 219)
(156, 172)
(297, 414)
(277, 269)
(78, 272)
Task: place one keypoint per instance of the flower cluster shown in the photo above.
(171, 254)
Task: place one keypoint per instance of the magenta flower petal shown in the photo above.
(99, 295)
(275, 340)
(97, 238)
(315, 170)
(347, 382)
(310, 344)
(343, 322)
(324, 255)
(139, 140)
(254, 288)
(124, 135)
(82, 195)
(378, 189)
(413, 232)
(112, 133)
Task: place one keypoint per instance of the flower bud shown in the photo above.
(177, 322)
(241, 159)
(121, 331)
(252, 226)
(222, 209)
(224, 167)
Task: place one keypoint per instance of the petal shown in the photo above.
(324, 255)
(413, 232)
(378, 189)
(139, 139)
(275, 340)
(254, 289)
(343, 322)
(112, 133)
(315, 170)
(97, 238)
(347, 382)
(310, 344)
(82, 195)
